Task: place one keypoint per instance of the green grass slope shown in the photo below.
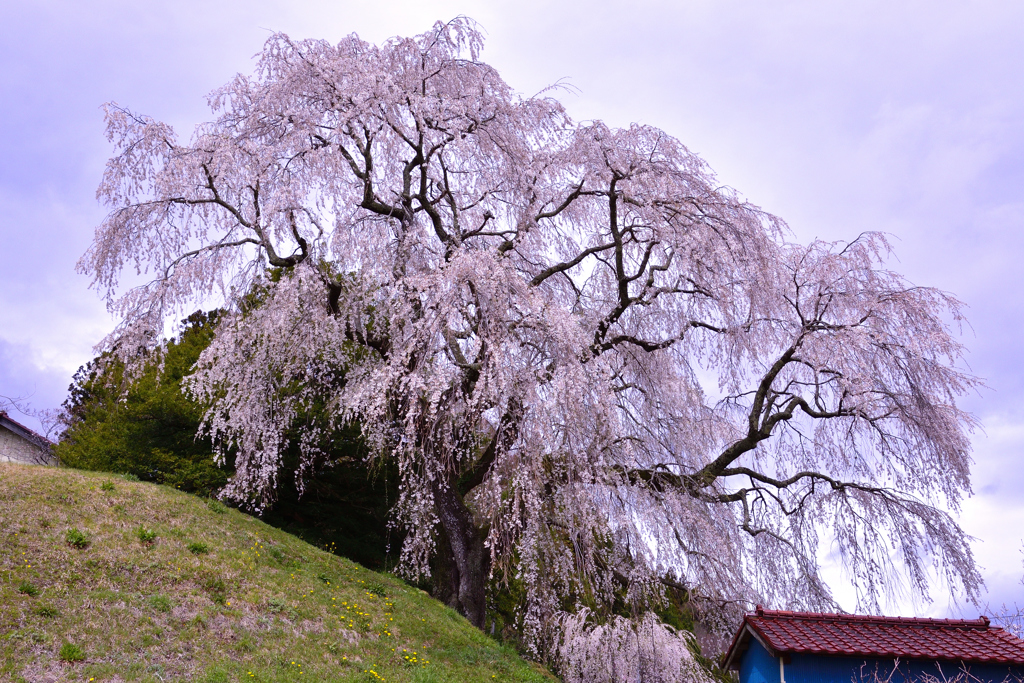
(103, 579)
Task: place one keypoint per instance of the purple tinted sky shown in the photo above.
(906, 117)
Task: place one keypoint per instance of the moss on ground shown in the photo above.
(169, 587)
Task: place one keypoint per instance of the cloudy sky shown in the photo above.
(906, 117)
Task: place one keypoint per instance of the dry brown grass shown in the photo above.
(260, 605)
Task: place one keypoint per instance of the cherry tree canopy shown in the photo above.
(596, 367)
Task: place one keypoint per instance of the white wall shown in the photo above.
(13, 448)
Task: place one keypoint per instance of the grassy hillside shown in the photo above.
(103, 579)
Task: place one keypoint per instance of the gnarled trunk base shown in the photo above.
(463, 561)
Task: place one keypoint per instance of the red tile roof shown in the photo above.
(847, 635)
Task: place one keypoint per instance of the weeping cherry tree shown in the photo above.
(597, 370)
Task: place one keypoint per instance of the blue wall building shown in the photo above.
(800, 647)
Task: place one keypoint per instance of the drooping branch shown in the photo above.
(575, 330)
(504, 437)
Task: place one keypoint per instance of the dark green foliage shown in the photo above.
(108, 486)
(28, 589)
(145, 536)
(76, 538)
(506, 597)
(150, 435)
(146, 427)
(343, 509)
(197, 548)
(71, 653)
(46, 611)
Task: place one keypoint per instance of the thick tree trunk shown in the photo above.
(468, 562)
(444, 573)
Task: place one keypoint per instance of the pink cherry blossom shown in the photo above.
(596, 368)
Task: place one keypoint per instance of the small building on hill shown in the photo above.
(800, 647)
(18, 443)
